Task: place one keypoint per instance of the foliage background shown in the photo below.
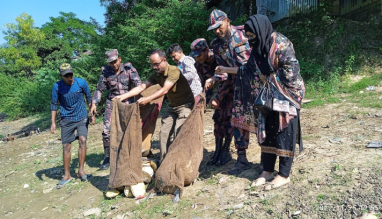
(329, 49)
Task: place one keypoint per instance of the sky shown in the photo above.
(41, 10)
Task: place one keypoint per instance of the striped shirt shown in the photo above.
(186, 65)
(70, 98)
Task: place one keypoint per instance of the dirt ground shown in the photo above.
(336, 176)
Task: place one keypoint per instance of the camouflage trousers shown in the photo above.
(222, 118)
(223, 128)
(241, 138)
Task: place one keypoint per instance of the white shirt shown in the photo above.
(186, 65)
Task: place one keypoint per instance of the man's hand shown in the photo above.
(143, 101)
(263, 78)
(53, 128)
(93, 120)
(120, 97)
(215, 104)
(220, 70)
(93, 110)
(209, 84)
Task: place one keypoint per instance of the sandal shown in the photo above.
(85, 177)
(62, 182)
(261, 180)
(271, 186)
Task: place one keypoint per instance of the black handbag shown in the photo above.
(264, 101)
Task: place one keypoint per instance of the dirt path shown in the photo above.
(335, 176)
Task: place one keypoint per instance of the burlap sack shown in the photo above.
(180, 167)
(132, 127)
(149, 114)
(125, 145)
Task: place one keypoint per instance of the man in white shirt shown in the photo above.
(186, 64)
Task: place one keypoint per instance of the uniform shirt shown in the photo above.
(180, 93)
(186, 65)
(116, 84)
(235, 55)
(71, 108)
(206, 71)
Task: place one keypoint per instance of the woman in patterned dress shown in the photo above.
(273, 59)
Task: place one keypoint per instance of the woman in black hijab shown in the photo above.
(273, 59)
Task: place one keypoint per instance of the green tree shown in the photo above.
(18, 56)
(66, 35)
(154, 24)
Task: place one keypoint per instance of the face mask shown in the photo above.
(252, 42)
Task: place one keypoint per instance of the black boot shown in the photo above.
(106, 161)
(241, 164)
(218, 147)
(225, 156)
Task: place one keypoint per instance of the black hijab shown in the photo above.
(262, 27)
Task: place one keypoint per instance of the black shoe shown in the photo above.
(225, 156)
(218, 147)
(241, 164)
(106, 163)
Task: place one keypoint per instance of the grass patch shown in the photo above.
(321, 197)
(362, 84)
(20, 167)
(34, 146)
(212, 181)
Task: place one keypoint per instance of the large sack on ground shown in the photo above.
(180, 167)
(125, 145)
(131, 130)
(149, 114)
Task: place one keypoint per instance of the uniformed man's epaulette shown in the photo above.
(241, 27)
(103, 69)
(127, 65)
(212, 44)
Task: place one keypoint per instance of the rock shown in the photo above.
(242, 196)
(335, 140)
(194, 206)
(44, 209)
(92, 211)
(377, 115)
(224, 178)
(205, 190)
(238, 206)
(255, 193)
(33, 190)
(46, 191)
(115, 206)
(296, 213)
(254, 206)
(26, 186)
(120, 216)
(361, 92)
(369, 216)
(167, 213)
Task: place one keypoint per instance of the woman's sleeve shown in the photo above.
(288, 71)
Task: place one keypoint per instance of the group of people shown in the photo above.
(241, 59)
